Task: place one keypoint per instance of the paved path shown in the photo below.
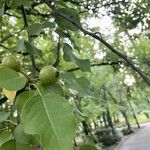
(138, 141)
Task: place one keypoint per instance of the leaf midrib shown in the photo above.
(50, 121)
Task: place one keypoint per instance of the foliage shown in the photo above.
(106, 137)
(126, 131)
(90, 84)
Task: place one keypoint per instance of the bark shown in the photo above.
(131, 107)
(87, 130)
(108, 116)
(110, 123)
(104, 119)
(134, 115)
(126, 119)
(124, 114)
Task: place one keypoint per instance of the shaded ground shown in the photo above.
(138, 141)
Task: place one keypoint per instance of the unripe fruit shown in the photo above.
(11, 62)
(48, 75)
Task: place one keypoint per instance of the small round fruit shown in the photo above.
(48, 75)
(11, 62)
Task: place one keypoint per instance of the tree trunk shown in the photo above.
(115, 118)
(75, 143)
(104, 119)
(100, 122)
(95, 124)
(110, 123)
(126, 119)
(132, 109)
(122, 111)
(109, 119)
(147, 115)
(87, 130)
(134, 115)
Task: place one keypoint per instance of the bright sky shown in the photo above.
(105, 24)
(107, 29)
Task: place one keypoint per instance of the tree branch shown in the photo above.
(1, 45)
(57, 53)
(99, 64)
(29, 39)
(95, 36)
(10, 35)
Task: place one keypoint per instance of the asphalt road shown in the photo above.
(138, 141)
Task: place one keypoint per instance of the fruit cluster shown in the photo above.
(47, 75)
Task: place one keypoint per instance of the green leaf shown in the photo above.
(88, 147)
(48, 24)
(80, 85)
(3, 116)
(23, 138)
(56, 88)
(26, 47)
(70, 13)
(13, 145)
(20, 47)
(62, 34)
(36, 28)
(52, 118)
(66, 35)
(20, 136)
(26, 3)
(10, 80)
(22, 99)
(20, 146)
(60, 4)
(5, 136)
(69, 56)
(9, 145)
(30, 48)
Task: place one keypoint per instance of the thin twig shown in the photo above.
(58, 54)
(97, 64)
